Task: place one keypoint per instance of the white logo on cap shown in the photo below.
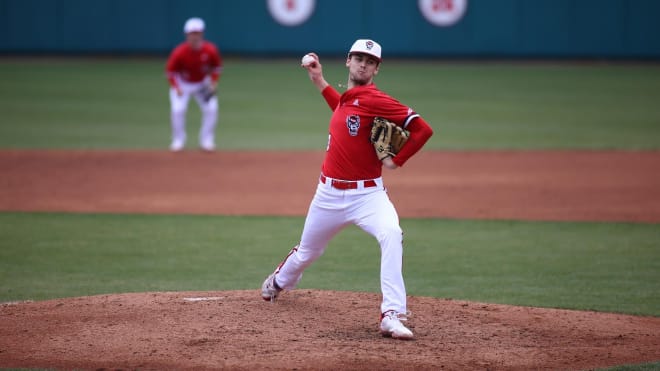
(442, 13)
(291, 12)
(366, 46)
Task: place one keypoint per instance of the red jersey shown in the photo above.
(194, 65)
(350, 154)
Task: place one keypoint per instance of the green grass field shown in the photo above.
(599, 266)
(86, 103)
(270, 105)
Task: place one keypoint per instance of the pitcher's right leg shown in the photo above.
(321, 224)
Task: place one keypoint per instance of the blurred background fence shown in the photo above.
(618, 29)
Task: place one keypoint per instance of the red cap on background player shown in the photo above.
(366, 46)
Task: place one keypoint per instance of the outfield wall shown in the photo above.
(486, 28)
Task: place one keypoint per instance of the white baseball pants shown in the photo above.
(179, 108)
(330, 211)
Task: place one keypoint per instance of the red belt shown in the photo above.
(349, 184)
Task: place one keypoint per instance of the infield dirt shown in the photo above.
(539, 185)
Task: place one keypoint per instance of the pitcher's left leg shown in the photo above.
(377, 216)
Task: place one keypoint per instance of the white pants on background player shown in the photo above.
(179, 109)
(330, 211)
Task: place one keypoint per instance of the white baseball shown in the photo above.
(308, 59)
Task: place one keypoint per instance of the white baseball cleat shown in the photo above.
(390, 325)
(177, 145)
(207, 146)
(269, 290)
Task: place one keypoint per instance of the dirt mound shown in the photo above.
(309, 329)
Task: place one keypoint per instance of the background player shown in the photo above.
(350, 189)
(194, 68)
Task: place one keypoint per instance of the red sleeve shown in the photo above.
(217, 64)
(331, 97)
(172, 66)
(420, 132)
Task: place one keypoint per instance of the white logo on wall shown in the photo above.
(291, 12)
(442, 13)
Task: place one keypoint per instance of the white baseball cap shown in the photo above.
(366, 46)
(194, 25)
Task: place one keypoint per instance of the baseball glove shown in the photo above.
(207, 93)
(387, 137)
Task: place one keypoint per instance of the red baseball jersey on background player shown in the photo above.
(194, 65)
(350, 155)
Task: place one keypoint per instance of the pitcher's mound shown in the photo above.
(310, 329)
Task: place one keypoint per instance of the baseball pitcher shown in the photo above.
(368, 130)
